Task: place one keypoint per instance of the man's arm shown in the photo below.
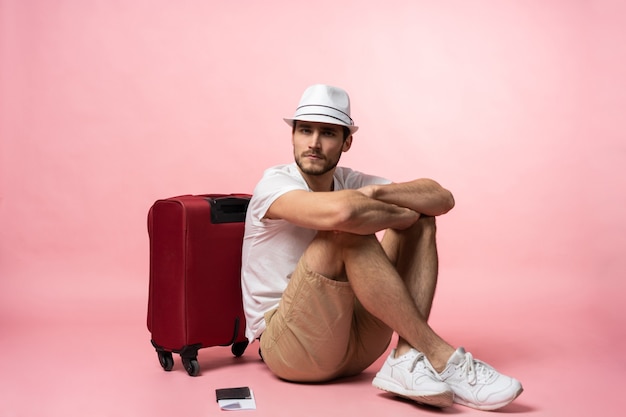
(424, 196)
(346, 210)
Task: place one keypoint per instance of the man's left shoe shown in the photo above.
(411, 376)
(478, 385)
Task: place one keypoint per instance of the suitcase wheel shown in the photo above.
(238, 348)
(191, 366)
(166, 360)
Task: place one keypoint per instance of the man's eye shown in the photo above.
(329, 133)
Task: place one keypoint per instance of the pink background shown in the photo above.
(516, 106)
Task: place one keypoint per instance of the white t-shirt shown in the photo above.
(272, 248)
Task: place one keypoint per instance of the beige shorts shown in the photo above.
(320, 331)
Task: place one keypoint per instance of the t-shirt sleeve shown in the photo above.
(273, 185)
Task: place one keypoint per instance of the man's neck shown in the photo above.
(324, 182)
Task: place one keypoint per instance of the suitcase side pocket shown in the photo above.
(228, 209)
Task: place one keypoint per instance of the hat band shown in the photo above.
(348, 120)
(325, 115)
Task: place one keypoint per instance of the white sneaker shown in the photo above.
(478, 385)
(411, 376)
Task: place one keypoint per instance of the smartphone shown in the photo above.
(239, 393)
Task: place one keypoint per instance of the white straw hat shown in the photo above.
(324, 104)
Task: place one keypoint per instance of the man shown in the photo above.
(324, 295)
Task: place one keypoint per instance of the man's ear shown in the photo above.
(347, 144)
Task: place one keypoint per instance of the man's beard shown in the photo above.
(316, 170)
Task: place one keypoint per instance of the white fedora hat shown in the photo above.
(324, 104)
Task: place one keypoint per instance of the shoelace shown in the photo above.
(475, 370)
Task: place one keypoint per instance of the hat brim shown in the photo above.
(319, 118)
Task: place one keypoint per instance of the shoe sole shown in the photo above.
(434, 399)
(489, 407)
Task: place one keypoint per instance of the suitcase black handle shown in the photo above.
(228, 209)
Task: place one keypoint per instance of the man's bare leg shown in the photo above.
(379, 287)
(414, 253)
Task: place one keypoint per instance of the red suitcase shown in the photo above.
(195, 265)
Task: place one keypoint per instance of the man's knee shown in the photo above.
(425, 225)
(327, 252)
(428, 222)
(340, 240)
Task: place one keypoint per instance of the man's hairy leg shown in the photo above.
(379, 287)
(414, 253)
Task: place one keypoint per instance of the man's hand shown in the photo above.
(424, 196)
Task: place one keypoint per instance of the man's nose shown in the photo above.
(315, 139)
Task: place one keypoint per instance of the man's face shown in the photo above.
(317, 147)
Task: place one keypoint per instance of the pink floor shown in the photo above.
(93, 358)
